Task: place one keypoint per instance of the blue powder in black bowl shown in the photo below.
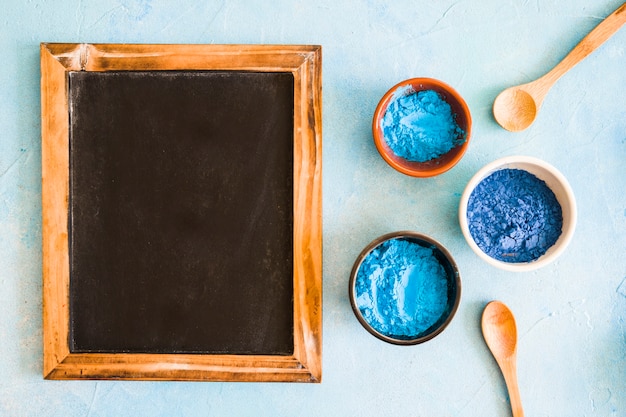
(405, 290)
(513, 216)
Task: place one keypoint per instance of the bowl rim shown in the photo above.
(569, 201)
(381, 108)
(415, 236)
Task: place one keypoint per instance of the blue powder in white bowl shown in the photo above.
(513, 216)
(405, 288)
(518, 213)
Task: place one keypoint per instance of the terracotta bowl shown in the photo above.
(431, 167)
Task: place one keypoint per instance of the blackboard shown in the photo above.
(181, 212)
(181, 195)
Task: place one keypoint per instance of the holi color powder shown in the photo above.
(420, 126)
(401, 289)
(513, 216)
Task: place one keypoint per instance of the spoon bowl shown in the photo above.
(499, 330)
(516, 107)
(500, 333)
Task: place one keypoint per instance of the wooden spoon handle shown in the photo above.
(509, 371)
(593, 40)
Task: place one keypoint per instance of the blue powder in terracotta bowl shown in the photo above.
(405, 288)
(420, 126)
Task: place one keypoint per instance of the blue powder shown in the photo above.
(420, 126)
(513, 216)
(401, 289)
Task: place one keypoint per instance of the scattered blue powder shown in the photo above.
(420, 126)
(513, 216)
(401, 289)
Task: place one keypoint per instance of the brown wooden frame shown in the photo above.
(304, 62)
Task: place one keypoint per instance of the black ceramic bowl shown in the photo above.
(405, 288)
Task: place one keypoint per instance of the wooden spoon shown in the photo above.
(516, 107)
(500, 333)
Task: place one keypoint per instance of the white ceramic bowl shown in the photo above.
(553, 179)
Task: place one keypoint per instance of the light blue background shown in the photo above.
(570, 315)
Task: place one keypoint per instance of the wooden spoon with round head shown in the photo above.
(516, 107)
(500, 333)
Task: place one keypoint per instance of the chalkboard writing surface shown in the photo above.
(181, 212)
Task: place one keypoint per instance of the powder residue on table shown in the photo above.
(513, 216)
(401, 289)
(420, 126)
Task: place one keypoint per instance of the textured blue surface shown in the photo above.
(513, 216)
(420, 126)
(570, 315)
(401, 289)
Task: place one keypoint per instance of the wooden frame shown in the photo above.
(304, 62)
